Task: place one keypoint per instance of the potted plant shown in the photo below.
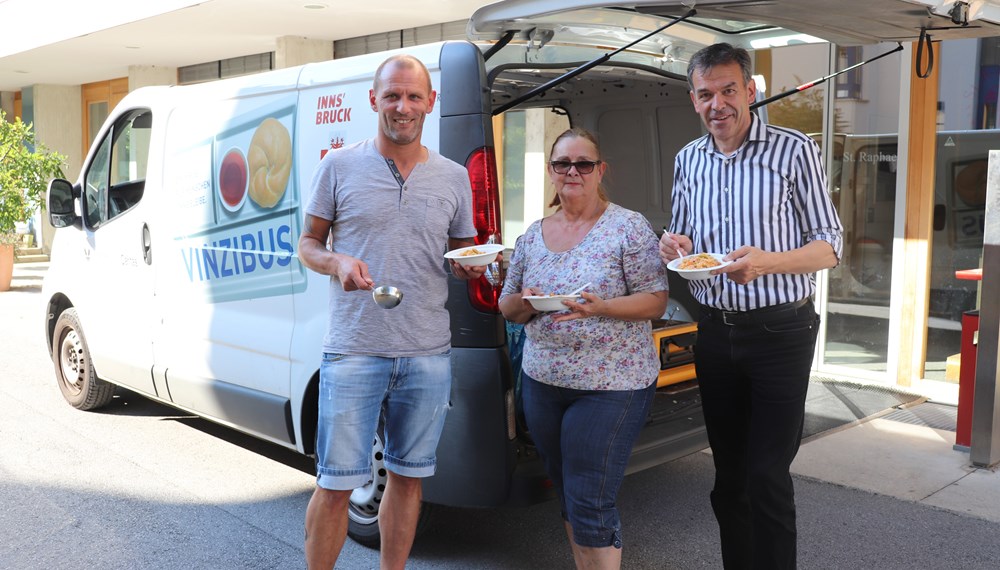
(25, 170)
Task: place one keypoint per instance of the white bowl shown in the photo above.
(466, 255)
(697, 274)
(551, 302)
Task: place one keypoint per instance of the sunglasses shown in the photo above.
(582, 166)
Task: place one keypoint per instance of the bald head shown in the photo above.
(403, 61)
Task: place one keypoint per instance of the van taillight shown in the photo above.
(482, 168)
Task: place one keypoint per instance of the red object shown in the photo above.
(970, 274)
(482, 167)
(966, 379)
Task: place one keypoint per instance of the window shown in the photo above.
(225, 68)
(399, 39)
(849, 84)
(116, 177)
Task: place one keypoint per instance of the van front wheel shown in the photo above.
(362, 512)
(75, 373)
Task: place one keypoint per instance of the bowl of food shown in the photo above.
(475, 255)
(698, 266)
(548, 303)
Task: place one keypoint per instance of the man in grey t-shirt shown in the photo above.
(390, 207)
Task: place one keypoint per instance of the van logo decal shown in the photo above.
(234, 208)
(237, 255)
(330, 109)
(336, 141)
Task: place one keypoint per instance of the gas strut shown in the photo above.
(816, 82)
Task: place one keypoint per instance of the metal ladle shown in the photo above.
(387, 296)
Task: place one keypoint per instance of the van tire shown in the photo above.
(363, 507)
(75, 372)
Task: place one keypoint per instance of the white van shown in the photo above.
(174, 271)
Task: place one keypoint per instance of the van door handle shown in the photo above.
(147, 245)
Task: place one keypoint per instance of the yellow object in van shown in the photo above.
(674, 341)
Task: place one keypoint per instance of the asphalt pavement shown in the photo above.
(141, 485)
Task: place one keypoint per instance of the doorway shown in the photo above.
(98, 99)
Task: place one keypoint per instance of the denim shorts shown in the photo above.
(585, 439)
(412, 393)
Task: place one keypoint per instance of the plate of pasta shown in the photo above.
(475, 255)
(698, 266)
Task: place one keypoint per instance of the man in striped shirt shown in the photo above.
(756, 193)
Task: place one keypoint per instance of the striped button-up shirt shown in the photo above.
(770, 193)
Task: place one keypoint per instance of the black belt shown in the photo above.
(753, 316)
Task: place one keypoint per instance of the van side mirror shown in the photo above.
(60, 204)
(939, 219)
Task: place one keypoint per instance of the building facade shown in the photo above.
(871, 330)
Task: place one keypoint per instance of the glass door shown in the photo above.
(862, 176)
(966, 132)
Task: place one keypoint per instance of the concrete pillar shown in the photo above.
(985, 450)
(541, 127)
(536, 197)
(7, 104)
(145, 75)
(292, 50)
(58, 124)
(555, 124)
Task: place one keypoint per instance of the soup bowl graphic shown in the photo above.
(233, 177)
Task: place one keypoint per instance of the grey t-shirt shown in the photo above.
(402, 234)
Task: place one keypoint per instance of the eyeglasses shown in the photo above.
(582, 166)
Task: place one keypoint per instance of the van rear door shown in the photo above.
(538, 41)
(747, 23)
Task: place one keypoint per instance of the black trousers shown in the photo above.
(753, 372)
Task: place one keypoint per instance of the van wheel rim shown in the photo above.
(71, 361)
(366, 500)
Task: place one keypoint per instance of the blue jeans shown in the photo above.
(414, 394)
(753, 379)
(585, 439)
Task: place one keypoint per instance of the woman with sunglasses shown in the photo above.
(588, 371)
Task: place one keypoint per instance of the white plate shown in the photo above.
(697, 274)
(489, 253)
(551, 302)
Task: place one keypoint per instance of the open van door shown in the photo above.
(746, 23)
(536, 52)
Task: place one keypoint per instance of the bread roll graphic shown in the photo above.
(270, 162)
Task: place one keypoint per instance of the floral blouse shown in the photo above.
(619, 256)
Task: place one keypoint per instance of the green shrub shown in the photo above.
(26, 167)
